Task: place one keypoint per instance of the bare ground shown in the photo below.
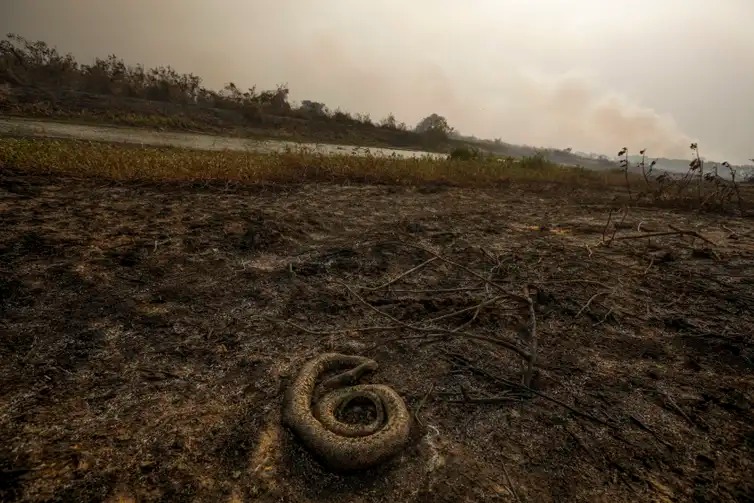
(144, 348)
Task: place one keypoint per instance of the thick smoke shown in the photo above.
(495, 68)
(516, 106)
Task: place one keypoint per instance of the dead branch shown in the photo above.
(540, 394)
(461, 360)
(400, 276)
(678, 409)
(650, 431)
(585, 415)
(466, 309)
(484, 399)
(427, 332)
(604, 318)
(405, 338)
(676, 232)
(565, 281)
(491, 400)
(370, 306)
(337, 331)
(616, 226)
(470, 271)
(481, 338)
(439, 331)
(589, 303)
(469, 322)
(692, 233)
(441, 290)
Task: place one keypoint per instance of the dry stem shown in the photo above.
(400, 276)
(532, 339)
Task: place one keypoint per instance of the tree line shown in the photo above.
(35, 63)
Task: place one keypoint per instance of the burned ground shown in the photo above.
(149, 331)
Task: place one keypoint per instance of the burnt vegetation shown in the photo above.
(722, 188)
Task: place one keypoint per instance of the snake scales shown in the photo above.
(344, 446)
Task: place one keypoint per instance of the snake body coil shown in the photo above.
(344, 446)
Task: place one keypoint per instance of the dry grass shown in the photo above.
(124, 162)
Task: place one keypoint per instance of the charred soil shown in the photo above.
(150, 330)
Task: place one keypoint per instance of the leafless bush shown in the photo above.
(710, 191)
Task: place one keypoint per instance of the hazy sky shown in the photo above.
(590, 74)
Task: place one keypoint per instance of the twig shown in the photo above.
(589, 302)
(470, 271)
(469, 322)
(337, 331)
(441, 290)
(400, 276)
(461, 360)
(737, 191)
(666, 233)
(464, 392)
(403, 338)
(427, 332)
(483, 400)
(532, 339)
(607, 224)
(582, 281)
(424, 399)
(623, 219)
(604, 318)
(581, 443)
(678, 409)
(585, 415)
(308, 330)
(651, 432)
(490, 256)
(370, 306)
(481, 338)
(692, 233)
(498, 342)
(625, 165)
(466, 309)
(153, 371)
(651, 263)
(510, 482)
(731, 233)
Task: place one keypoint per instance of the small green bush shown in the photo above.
(465, 153)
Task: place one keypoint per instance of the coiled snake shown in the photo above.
(344, 446)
